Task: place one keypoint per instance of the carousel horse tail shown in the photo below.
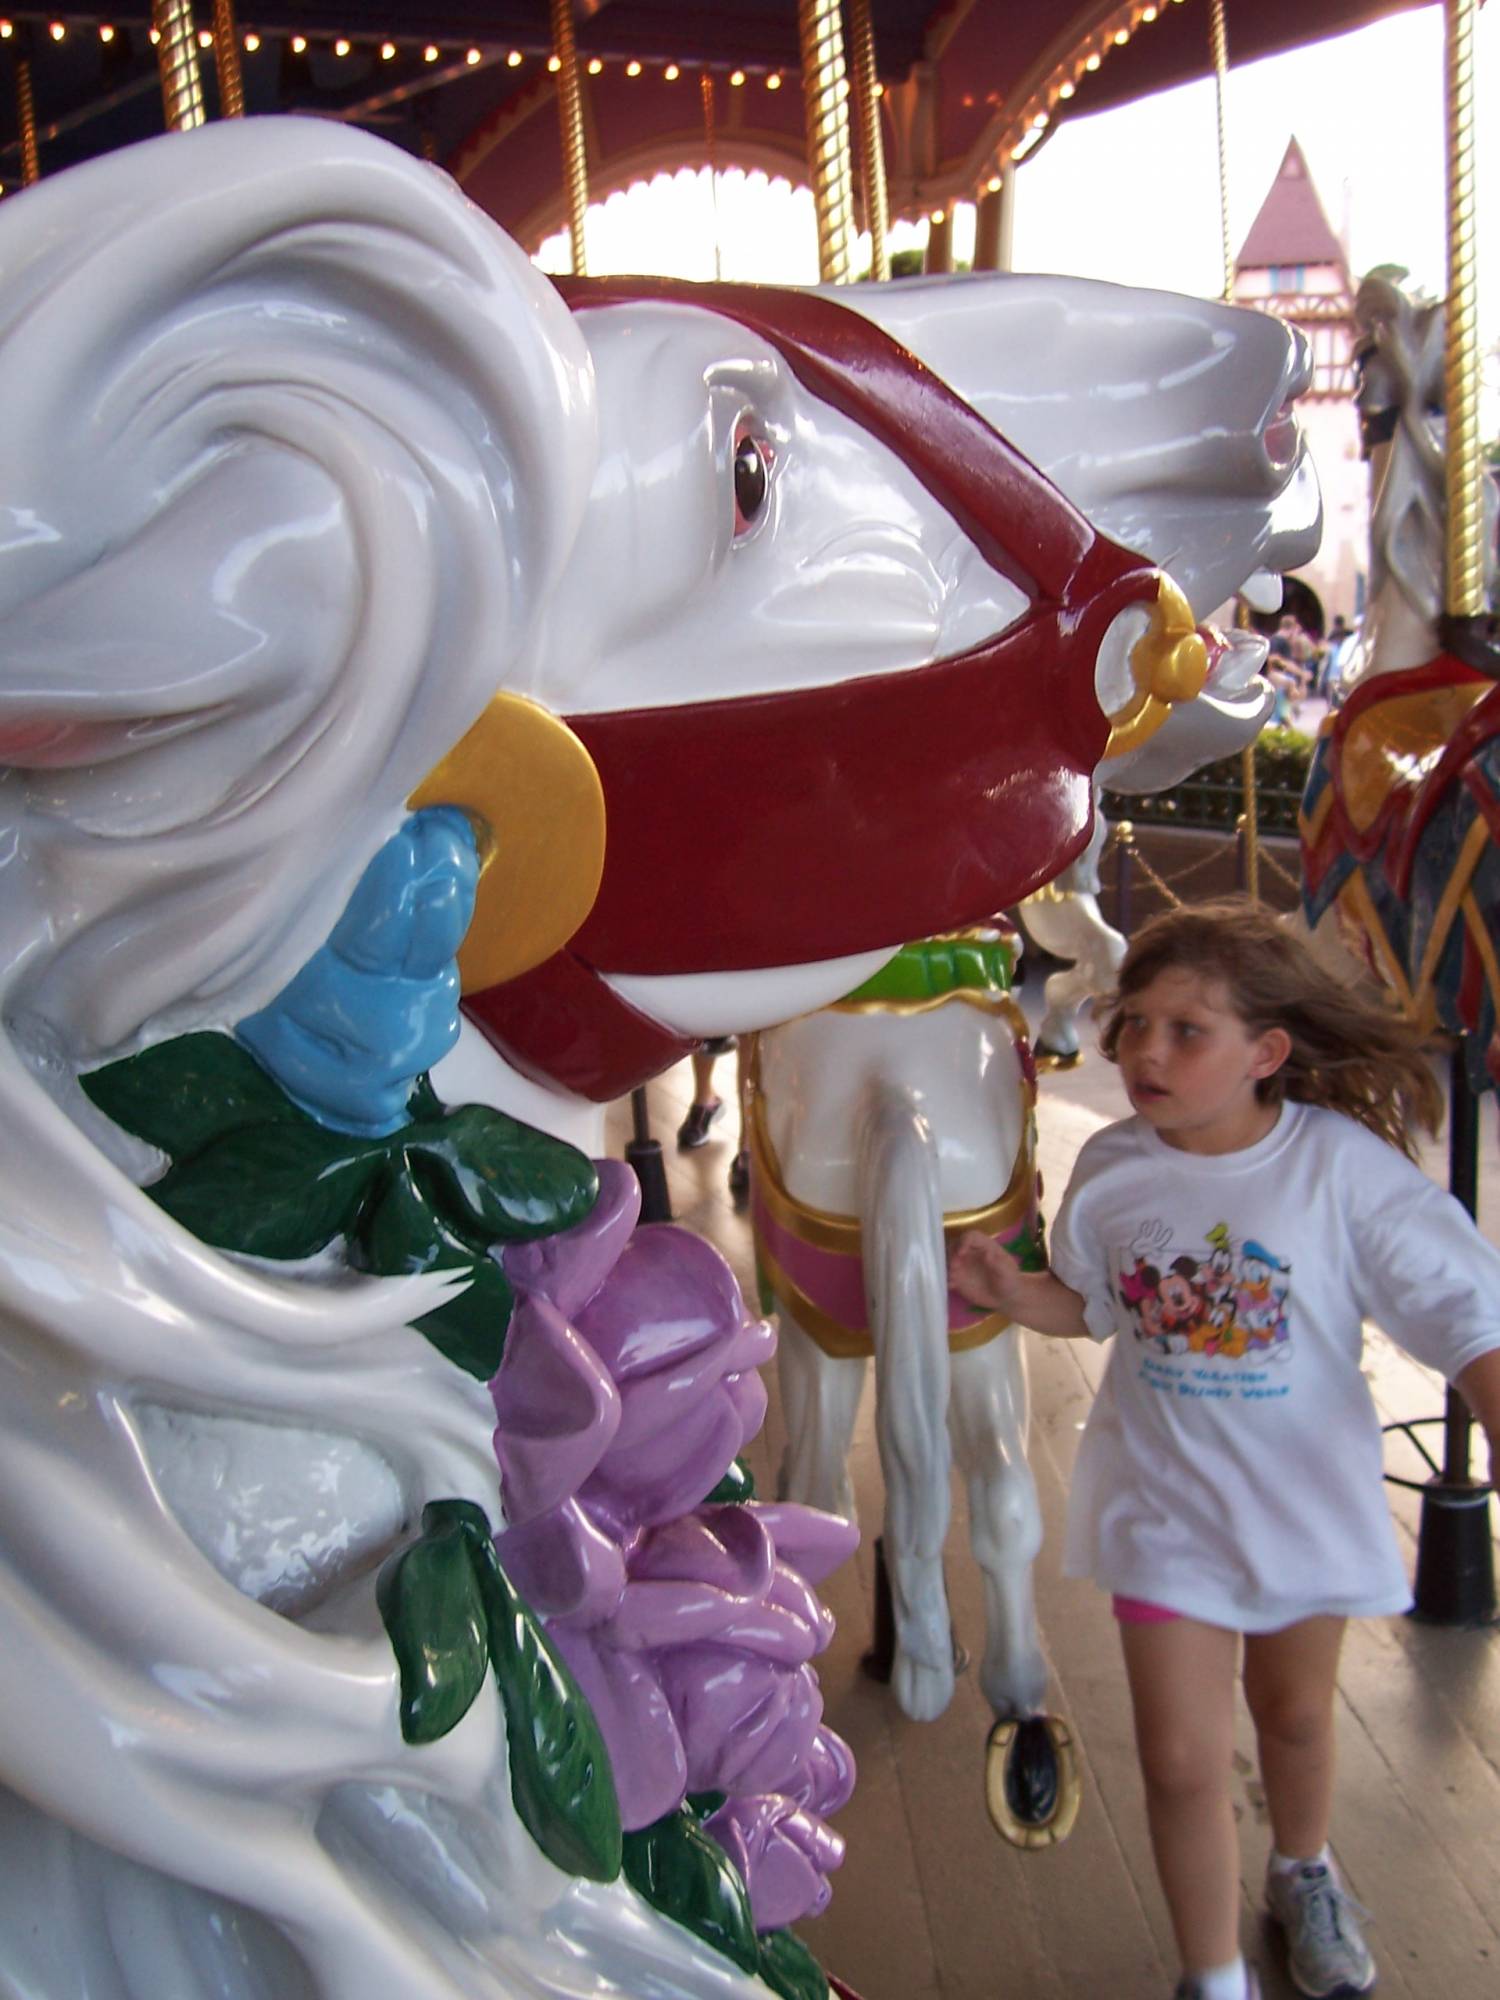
(906, 1293)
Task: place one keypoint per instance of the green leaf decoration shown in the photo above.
(280, 1190)
(560, 1776)
(399, 1231)
(738, 1484)
(182, 1094)
(424, 1104)
(789, 1968)
(253, 1172)
(434, 1613)
(470, 1329)
(686, 1875)
(498, 1178)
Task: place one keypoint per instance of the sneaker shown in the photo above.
(693, 1131)
(1326, 1951)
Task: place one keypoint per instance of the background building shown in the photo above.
(1293, 265)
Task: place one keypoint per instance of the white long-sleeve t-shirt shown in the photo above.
(1231, 1467)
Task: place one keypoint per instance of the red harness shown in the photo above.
(785, 828)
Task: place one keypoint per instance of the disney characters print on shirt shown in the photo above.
(1226, 1296)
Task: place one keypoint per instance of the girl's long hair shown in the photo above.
(1348, 1053)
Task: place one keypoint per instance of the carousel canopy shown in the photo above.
(966, 83)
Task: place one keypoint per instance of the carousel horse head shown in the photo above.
(872, 583)
(349, 574)
(1403, 431)
(1398, 811)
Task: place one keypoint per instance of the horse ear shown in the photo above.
(294, 444)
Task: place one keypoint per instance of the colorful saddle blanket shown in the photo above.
(1400, 828)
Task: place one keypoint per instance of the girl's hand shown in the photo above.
(985, 1274)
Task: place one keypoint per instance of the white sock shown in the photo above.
(1222, 1982)
(1287, 1864)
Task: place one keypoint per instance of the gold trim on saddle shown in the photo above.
(819, 1229)
(1396, 742)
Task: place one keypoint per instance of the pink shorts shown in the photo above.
(1138, 1611)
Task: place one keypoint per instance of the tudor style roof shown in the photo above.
(1291, 228)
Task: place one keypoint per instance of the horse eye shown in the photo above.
(752, 479)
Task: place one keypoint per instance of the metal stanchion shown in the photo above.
(643, 1153)
(1455, 1579)
(1124, 847)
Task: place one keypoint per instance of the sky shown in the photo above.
(1132, 195)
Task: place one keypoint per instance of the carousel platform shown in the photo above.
(931, 1904)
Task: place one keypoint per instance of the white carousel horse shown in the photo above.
(1064, 919)
(1402, 793)
(317, 510)
(881, 1129)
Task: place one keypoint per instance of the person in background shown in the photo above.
(707, 1108)
(1230, 1238)
(1330, 670)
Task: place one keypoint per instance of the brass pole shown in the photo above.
(825, 106)
(570, 112)
(177, 58)
(1218, 39)
(711, 154)
(31, 160)
(995, 224)
(1219, 44)
(871, 139)
(227, 61)
(987, 220)
(938, 256)
(1464, 591)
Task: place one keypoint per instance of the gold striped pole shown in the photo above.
(570, 113)
(177, 57)
(1218, 40)
(227, 61)
(871, 139)
(825, 105)
(31, 159)
(1464, 591)
(711, 155)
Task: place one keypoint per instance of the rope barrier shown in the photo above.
(1122, 842)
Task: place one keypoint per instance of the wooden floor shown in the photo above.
(930, 1902)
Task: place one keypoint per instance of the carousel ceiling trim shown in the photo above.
(966, 83)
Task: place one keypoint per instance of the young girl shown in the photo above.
(1233, 1235)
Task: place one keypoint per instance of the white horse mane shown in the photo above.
(1400, 401)
(245, 583)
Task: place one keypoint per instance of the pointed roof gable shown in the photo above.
(1291, 227)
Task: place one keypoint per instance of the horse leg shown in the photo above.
(1032, 1782)
(1064, 993)
(906, 1294)
(819, 1400)
(988, 1418)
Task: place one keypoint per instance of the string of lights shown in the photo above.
(388, 49)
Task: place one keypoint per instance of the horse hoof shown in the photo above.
(1031, 1781)
(1046, 1058)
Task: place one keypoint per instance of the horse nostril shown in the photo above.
(1282, 438)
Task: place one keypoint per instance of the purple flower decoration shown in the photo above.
(630, 1383)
